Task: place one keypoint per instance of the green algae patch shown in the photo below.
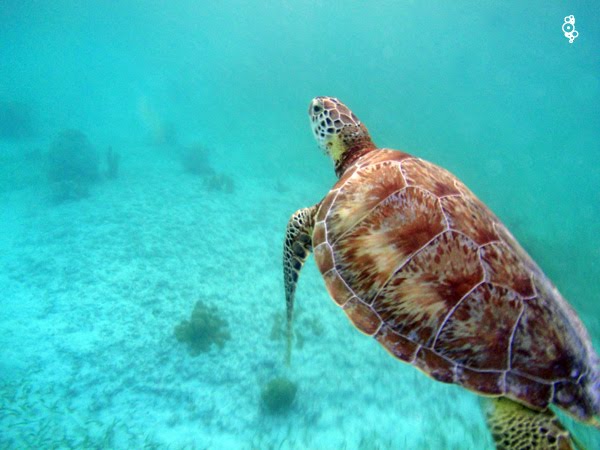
(278, 395)
(204, 329)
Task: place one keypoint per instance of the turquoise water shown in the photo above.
(205, 105)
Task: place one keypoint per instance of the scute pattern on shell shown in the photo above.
(435, 279)
(421, 264)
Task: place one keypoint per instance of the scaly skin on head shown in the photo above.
(338, 132)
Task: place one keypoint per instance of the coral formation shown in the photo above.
(195, 160)
(162, 132)
(219, 182)
(204, 329)
(278, 395)
(72, 165)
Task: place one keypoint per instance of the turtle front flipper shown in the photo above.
(296, 248)
(515, 426)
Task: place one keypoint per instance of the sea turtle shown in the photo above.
(418, 262)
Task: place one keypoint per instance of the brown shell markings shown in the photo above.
(421, 264)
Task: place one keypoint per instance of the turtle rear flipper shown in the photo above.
(296, 248)
(515, 426)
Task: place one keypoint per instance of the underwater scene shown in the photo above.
(152, 153)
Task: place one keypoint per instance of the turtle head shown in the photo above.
(338, 132)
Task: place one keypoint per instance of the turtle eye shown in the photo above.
(317, 109)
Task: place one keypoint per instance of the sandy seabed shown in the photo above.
(91, 293)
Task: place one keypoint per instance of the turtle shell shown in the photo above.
(423, 266)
